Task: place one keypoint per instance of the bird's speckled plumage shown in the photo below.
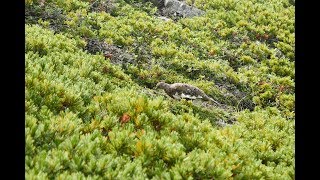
(183, 90)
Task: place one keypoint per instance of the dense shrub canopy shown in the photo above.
(92, 111)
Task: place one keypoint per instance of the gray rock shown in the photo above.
(115, 54)
(164, 18)
(177, 8)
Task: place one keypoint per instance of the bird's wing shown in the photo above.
(194, 91)
(188, 91)
(176, 96)
(188, 96)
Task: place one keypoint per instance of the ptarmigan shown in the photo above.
(184, 91)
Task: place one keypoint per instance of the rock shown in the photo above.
(175, 8)
(164, 18)
(223, 123)
(115, 54)
(103, 5)
(180, 9)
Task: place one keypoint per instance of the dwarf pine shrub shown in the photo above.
(90, 118)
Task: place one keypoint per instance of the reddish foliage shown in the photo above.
(261, 83)
(108, 55)
(125, 118)
(282, 88)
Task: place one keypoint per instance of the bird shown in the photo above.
(184, 91)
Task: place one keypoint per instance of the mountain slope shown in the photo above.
(92, 110)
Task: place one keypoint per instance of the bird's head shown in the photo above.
(161, 85)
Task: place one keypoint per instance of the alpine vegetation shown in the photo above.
(128, 89)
